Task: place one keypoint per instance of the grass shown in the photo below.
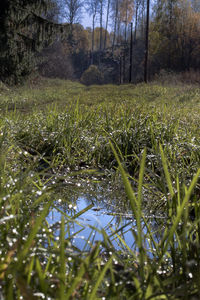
(144, 136)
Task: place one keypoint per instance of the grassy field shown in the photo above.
(144, 136)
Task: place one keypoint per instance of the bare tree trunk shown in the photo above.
(124, 65)
(170, 32)
(120, 70)
(136, 21)
(107, 16)
(131, 54)
(118, 32)
(126, 20)
(93, 24)
(143, 21)
(115, 25)
(147, 45)
(101, 25)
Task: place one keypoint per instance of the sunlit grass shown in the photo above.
(147, 137)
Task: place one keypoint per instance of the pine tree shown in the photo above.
(24, 30)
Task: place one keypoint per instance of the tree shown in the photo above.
(92, 7)
(195, 5)
(137, 5)
(97, 37)
(107, 17)
(72, 10)
(126, 13)
(23, 32)
(147, 44)
(101, 6)
(115, 9)
(175, 31)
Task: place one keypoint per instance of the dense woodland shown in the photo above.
(127, 39)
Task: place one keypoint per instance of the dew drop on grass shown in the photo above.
(39, 295)
(190, 275)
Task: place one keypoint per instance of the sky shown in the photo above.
(86, 20)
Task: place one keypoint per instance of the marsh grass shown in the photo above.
(145, 137)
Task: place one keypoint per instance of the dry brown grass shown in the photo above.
(191, 77)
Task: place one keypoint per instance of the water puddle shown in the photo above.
(108, 215)
(90, 224)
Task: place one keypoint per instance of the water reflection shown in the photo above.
(109, 213)
(98, 218)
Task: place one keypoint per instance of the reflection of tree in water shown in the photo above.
(109, 198)
(103, 195)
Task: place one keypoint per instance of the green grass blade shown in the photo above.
(167, 175)
(81, 272)
(100, 278)
(32, 234)
(41, 276)
(127, 185)
(139, 216)
(180, 211)
(62, 260)
(30, 270)
(83, 211)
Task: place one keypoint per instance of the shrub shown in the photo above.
(92, 76)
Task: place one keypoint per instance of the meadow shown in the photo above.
(56, 136)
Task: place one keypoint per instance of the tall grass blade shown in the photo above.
(167, 175)
(41, 276)
(167, 239)
(127, 185)
(62, 260)
(32, 234)
(81, 272)
(101, 276)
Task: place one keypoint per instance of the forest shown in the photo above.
(100, 150)
(128, 41)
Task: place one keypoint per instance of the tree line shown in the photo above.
(128, 40)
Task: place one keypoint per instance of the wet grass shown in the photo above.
(144, 136)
